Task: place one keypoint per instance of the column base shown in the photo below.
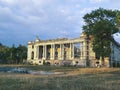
(52, 59)
(43, 58)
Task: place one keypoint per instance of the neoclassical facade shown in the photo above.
(77, 51)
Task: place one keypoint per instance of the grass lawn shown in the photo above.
(74, 78)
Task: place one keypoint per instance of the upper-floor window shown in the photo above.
(32, 46)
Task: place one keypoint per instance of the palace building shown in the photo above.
(63, 51)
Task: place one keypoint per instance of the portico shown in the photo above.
(72, 50)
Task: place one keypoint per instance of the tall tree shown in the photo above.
(101, 24)
(21, 53)
(4, 53)
(12, 57)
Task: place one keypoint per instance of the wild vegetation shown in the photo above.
(12, 55)
(74, 78)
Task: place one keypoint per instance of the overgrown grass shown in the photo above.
(74, 79)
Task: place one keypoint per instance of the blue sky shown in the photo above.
(22, 20)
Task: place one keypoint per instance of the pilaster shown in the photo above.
(70, 53)
(61, 52)
(85, 52)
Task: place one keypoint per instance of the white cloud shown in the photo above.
(8, 1)
(87, 10)
(98, 1)
(63, 34)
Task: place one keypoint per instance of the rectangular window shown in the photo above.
(32, 46)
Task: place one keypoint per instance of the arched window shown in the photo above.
(32, 55)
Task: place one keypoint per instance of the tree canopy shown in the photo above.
(101, 24)
(13, 55)
(118, 20)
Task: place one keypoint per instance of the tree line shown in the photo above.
(13, 55)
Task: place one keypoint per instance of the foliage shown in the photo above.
(4, 53)
(118, 19)
(101, 24)
(12, 55)
(21, 53)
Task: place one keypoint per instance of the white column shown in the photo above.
(44, 52)
(53, 51)
(70, 52)
(61, 56)
(29, 52)
(37, 52)
(84, 53)
(60, 53)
